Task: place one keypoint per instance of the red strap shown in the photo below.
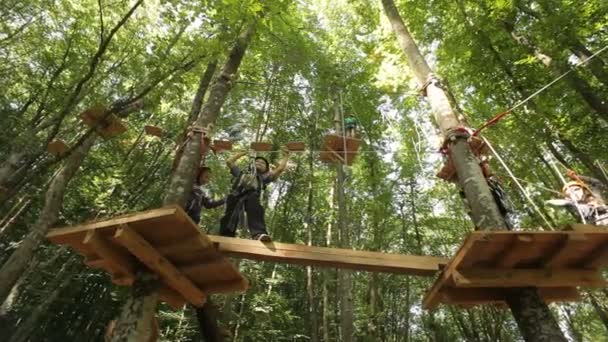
(491, 122)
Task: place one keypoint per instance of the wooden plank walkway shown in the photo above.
(329, 257)
(192, 264)
(555, 262)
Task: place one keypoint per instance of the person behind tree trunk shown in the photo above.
(199, 196)
(246, 192)
(350, 125)
(583, 197)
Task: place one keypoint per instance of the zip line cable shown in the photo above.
(498, 117)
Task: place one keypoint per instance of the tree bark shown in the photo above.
(308, 224)
(204, 82)
(532, 315)
(26, 327)
(18, 261)
(139, 309)
(344, 276)
(183, 177)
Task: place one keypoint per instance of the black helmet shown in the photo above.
(265, 162)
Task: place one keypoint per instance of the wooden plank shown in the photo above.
(188, 245)
(597, 258)
(330, 257)
(564, 249)
(172, 298)
(296, 146)
(261, 146)
(154, 130)
(433, 296)
(57, 147)
(218, 269)
(63, 234)
(159, 264)
(112, 255)
(513, 255)
(500, 278)
(585, 228)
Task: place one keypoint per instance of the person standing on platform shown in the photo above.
(246, 192)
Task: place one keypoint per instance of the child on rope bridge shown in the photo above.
(199, 196)
(583, 197)
(246, 192)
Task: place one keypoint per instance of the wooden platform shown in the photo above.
(57, 147)
(554, 262)
(154, 130)
(167, 242)
(333, 149)
(109, 126)
(261, 146)
(221, 145)
(328, 257)
(296, 146)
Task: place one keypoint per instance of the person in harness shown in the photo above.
(246, 192)
(583, 198)
(200, 197)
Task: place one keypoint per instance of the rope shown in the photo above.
(521, 188)
(498, 117)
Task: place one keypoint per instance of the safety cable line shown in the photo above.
(498, 117)
(539, 186)
(525, 193)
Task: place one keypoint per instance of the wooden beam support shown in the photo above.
(512, 255)
(433, 296)
(188, 245)
(500, 278)
(146, 253)
(565, 249)
(116, 259)
(329, 257)
(597, 257)
(172, 298)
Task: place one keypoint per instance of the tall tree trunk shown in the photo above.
(27, 326)
(203, 84)
(308, 225)
(532, 315)
(18, 261)
(140, 308)
(596, 65)
(557, 68)
(325, 289)
(344, 276)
